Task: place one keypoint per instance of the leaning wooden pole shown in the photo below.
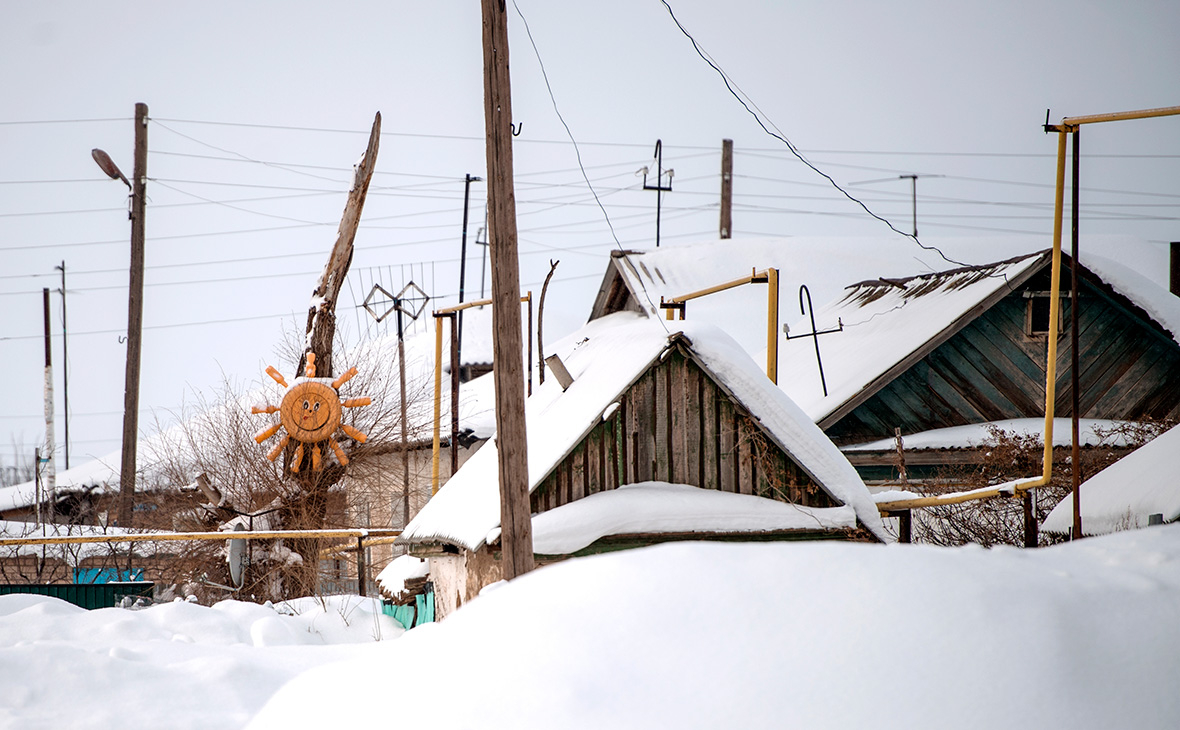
(516, 537)
(321, 315)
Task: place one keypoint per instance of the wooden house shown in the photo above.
(662, 434)
(969, 345)
(935, 352)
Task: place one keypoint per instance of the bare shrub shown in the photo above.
(1007, 456)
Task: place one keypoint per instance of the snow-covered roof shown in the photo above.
(392, 579)
(1126, 493)
(605, 357)
(893, 324)
(662, 508)
(894, 319)
(1092, 432)
(891, 320)
(89, 474)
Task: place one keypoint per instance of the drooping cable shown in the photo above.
(730, 86)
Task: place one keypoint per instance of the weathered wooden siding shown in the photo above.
(675, 424)
(993, 370)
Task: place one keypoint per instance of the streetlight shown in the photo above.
(134, 308)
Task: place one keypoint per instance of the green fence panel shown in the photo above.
(89, 596)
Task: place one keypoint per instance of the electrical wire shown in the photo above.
(790, 146)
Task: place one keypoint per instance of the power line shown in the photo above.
(782, 138)
(14, 123)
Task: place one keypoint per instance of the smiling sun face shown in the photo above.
(310, 414)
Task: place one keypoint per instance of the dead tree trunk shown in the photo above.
(308, 507)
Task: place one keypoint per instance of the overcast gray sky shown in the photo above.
(259, 109)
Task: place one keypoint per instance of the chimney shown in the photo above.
(557, 367)
(1174, 283)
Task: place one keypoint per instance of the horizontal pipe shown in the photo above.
(1166, 111)
(756, 277)
(1008, 489)
(468, 305)
(199, 536)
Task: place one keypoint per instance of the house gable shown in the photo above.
(677, 424)
(993, 368)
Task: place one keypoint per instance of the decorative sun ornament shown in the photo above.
(310, 413)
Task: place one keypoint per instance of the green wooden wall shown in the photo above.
(992, 370)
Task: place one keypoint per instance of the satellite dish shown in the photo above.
(237, 559)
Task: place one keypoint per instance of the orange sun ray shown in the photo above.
(274, 454)
(340, 456)
(347, 376)
(353, 434)
(267, 432)
(278, 377)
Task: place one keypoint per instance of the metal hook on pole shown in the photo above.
(658, 187)
(805, 307)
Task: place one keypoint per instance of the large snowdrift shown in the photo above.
(814, 635)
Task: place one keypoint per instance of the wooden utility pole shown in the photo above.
(727, 188)
(516, 536)
(50, 448)
(134, 321)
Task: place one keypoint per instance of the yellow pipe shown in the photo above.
(1166, 111)
(1005, 490)
(199, 536)
(1054, 309)
(770, 277)
(1068, 124)
(1050, 369)
(772, 325)
(756, 277)
(436, 445)
(437, 404)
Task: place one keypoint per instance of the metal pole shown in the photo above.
(1076, 467)
(530, 334)
(401, 369)
(65, 365)
(361, 572)
(454, 394)
(659, 187)
(463, 250)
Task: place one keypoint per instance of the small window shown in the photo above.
(1036, 320)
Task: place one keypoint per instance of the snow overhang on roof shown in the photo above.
(660, 508)
(605, 358)
(1125, 494)
(1092, 432)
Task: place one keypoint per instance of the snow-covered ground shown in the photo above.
(686, 635)
(175, 665)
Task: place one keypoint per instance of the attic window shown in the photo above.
(1036, 317)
